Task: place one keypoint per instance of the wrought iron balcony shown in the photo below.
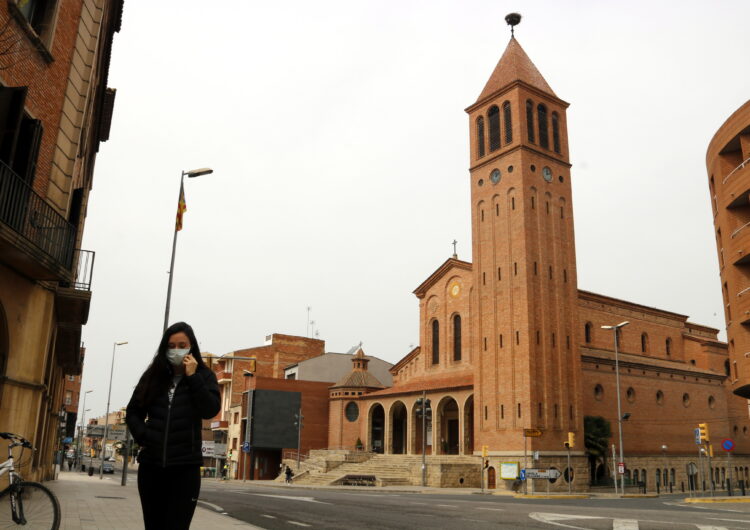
(34, 238)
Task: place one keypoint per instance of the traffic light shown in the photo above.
(484, 450)
(571, 440)
(423, 406)
(703, 428)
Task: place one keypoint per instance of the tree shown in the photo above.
(596, 434)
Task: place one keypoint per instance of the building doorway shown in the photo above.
(469, 426)
(491, 478)
(377, 424)
(398, 421)
(449, 437)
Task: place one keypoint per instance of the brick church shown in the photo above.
(508, 342)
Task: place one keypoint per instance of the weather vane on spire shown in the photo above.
(513, 19)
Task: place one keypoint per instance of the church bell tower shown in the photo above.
(524, 264)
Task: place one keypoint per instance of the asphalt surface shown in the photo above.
(289, 507)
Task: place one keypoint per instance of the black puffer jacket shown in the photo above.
(170, 435)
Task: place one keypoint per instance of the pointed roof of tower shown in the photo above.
(359, 377)
(514, 65)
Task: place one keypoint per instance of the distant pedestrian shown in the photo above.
(289, 474)
(70, 464)
(175, 393)
(224, 471)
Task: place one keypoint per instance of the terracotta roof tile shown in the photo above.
(514, 65)
(359, 379)
(432, 383)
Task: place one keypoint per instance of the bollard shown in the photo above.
(670, 487)
(729, 487)
(742, 487)
(657, 488)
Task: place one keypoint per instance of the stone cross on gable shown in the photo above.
(454, 248)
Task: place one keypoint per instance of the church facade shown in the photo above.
(510, 347)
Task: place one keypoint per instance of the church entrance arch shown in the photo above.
(448, 439)
(377, 428)
(491, 478)
(398, 428)
(469, 426)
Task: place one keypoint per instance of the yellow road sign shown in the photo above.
(532, 433)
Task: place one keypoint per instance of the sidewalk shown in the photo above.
(91, 503)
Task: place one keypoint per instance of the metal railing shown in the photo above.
(742, 165)
(740, 229)
(84, 269)
(29, 215)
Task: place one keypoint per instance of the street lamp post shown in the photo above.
(106, 418)
(619, 406)
(190, 174)
(83, 423)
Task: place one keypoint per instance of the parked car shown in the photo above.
(108, 467)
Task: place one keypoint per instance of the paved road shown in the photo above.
(285, 508)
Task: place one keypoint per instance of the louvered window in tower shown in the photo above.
(541, 112)
(507, 123)
(493, 115)
(435, 342)
(530, 120)
(457, 338)
(555, 132)
(480, 137)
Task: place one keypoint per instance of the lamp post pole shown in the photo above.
(619, 406)
(106, 418)
(190, 174)
(83, 426)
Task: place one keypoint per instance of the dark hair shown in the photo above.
(158, 376)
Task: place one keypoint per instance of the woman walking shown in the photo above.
(164, 415)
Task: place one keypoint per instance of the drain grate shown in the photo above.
(103, 497)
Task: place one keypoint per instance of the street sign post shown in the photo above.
(727, 444)
(542, 473)
(697, 433)
(246, 447)
(620, 468)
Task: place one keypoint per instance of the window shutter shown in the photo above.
(11, 112)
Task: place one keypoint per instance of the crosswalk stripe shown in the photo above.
(703, 527)
(624, 524)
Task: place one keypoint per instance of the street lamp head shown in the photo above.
(198, 172)
(88, 392)
(626, 416)
(247, 373)
(120, 343)
(620, 325)
(663, 447)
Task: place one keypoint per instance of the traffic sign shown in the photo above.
(697, 433)
(727, 444)
(532, 433)
(542, 473)
(245, 447)
(620, 468)
(523, 474)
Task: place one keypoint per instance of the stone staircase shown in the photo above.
(327, 468)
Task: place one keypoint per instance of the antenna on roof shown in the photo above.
(513, 19)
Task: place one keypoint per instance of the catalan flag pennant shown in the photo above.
(181, 209)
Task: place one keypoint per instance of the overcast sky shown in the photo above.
(339, 145)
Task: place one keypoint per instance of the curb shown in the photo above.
(522, 496)
(694, 500)
(640, 496)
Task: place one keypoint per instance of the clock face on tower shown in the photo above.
(495, 176)
(547, 174)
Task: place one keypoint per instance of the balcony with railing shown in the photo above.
(35, 239)
(738, 250)
(72, 303)
(736, 185)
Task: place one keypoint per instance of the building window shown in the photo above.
(555, 132)
(587, 332)
(541, 112)
(351, 411)
(618, 337)
(480, 136)
(20, 136)
(40, 16)
(234, 443)
(686, 399)
(507, 123)
(68, 397)
(668, 345)
(631, 395)
(598, 392)
(435, 342)
(644, 343)
(659, 397)
(711, 402)
(519, 410)
(530, 121)
(236, 418)
(493, 115)
(726, 368)
(457, 337)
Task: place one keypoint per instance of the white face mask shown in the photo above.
(176, 356)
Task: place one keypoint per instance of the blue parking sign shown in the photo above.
(523, 474)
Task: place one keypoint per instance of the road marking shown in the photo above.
(732, 520)
(420, 503)
(552, 518)
(291, 498)
(624, 524)
(492, 509)
(268, 516)
(446, 506)
(298, 523)
(214, 506)
(702, 527)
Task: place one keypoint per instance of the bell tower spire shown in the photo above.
(524, 265)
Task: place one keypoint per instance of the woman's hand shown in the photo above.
(190, 364)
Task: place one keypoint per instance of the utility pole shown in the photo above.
(614, 467)
(423, 410)
(299, 417)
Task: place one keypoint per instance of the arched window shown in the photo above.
(457, 338)
(644, 343)
(726, 368)
(541, 112)
(618, 337)
(480, 137)
(556, 132)
(530, 120)
(507, 123)
(493, 115)
(587, 332)
(668, 346)
(435, 342)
